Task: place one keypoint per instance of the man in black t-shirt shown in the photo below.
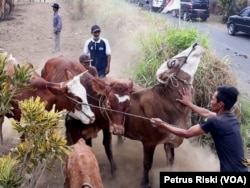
(221, 124)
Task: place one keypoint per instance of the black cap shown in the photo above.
(84, 58)
(55, 6)
(95, 28)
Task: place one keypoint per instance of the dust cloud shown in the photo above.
(189, 157)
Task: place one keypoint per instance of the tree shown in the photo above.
(231, 7)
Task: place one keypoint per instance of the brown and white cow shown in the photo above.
(81, 169)
(69, 94)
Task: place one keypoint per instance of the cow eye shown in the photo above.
(172, 63)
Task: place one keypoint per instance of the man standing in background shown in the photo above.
(147, 6)
(99, 50)
(57, 27)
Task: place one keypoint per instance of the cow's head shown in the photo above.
(116, 102)
(184, 65)
(76, 95)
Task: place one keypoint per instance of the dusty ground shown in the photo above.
(27, 34)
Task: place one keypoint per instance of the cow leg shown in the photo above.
(148, 152)
(107, 138)
(89, 142)
(69, 138)
(169, 151)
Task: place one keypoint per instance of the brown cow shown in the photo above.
(114, 99)
(81, 169)
(160, 101)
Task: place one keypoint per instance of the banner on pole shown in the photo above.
(171, 5)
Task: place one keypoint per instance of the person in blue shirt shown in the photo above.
(57, 26)
(99, 50)
(222, 124)
(146, 6)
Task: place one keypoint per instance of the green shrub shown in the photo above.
(179, 39)
(43, 143)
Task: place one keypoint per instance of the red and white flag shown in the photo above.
(171, 5)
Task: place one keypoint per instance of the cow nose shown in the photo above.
(92, 119)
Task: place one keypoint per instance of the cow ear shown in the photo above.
(69, 75)
(99, 86)
(130, 84)
(136, 87)
(56, 89)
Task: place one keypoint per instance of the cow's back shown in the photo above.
(81, 167)
(54, 68)
(151, 103)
